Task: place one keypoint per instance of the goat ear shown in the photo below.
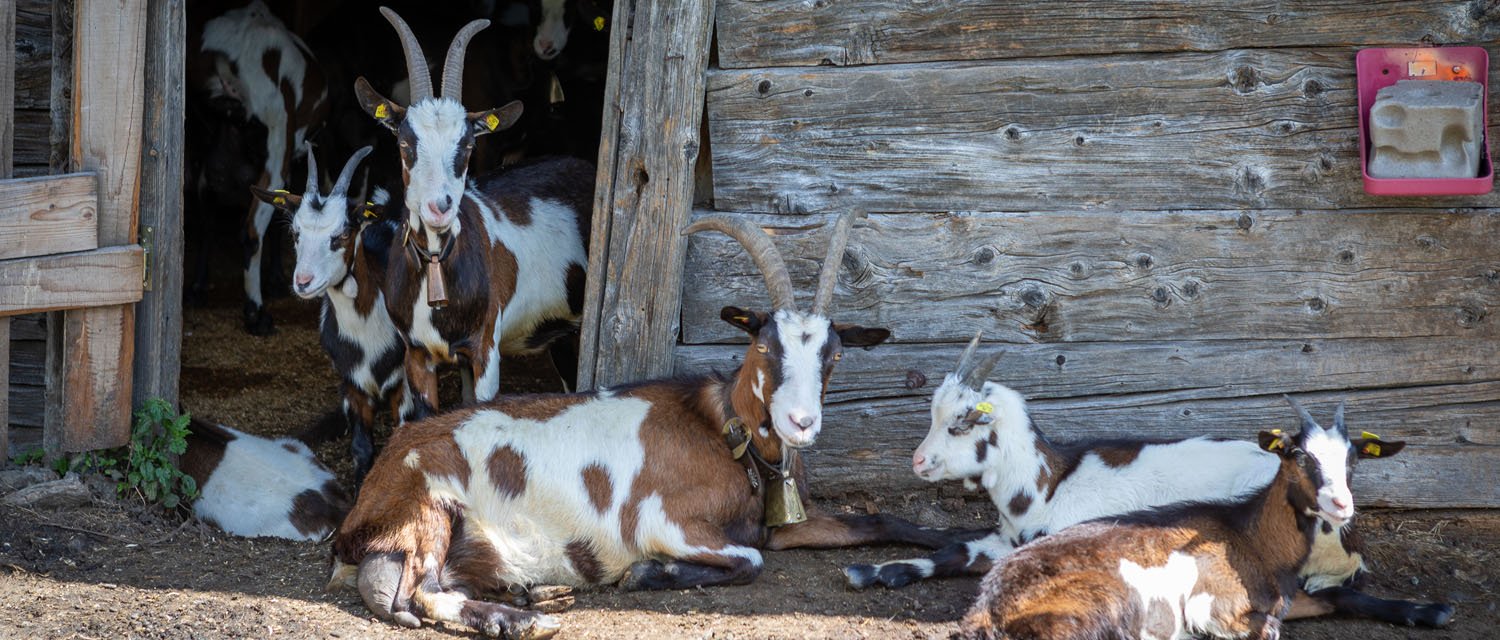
(853, 335)
(366, 213)
(378, 106)
(1276, 442)
(483, 122)
(283, 200)
(1371, 446)
(748, 321)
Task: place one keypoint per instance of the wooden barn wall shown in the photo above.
(1154, 210)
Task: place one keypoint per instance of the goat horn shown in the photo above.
(416, 63)
(761, 250)
(312, 171)
(966, 361)
(342, 186)
(1338, 417)
(1307, 419)
(453, 66)
(976, 376)
(838, 238)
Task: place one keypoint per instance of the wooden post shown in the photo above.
(7, 165)
(658, 51)
(90, 351)
(158, 338)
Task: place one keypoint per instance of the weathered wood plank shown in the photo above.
(40, 216)
(158, 337)
(32, 131)
(33, 50)
(1245, 128)
(90, 352)
(645, 188)
(60, 102)
(775, 33)
(108, 276)
(1107, 276)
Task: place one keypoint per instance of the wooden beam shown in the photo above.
(47, 215)
(102, 277)
(7, 166)
(780, 33)
(1053, 277)
(645, 188)
(158, 337)
(91, 352)
(1234, 129)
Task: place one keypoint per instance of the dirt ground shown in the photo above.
(114, 570)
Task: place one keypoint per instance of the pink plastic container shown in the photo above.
(1378, 68)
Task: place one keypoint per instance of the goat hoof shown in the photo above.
(1434, 615)
(553, 605)
(539, 627)
(406, 619)
(639, 575)
(860, 576)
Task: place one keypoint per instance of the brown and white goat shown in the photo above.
(633, 484)
(514, 283)
(252, 486)
(258, 61)
(343, 247)
(1224, 569)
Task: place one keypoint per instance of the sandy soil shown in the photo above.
(115, 570)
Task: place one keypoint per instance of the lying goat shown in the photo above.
(251, 486)
(981, 432)
(517, 276)
(655, 485)
(343, 247)
(1225, 569)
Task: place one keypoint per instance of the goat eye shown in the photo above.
(761, 347)
(960, 429)
(838, 356)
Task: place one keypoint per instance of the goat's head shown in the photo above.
(792, 352)
(969, 413)
(324, 226)
(435, 134)
(554, 21)
(1324, 459)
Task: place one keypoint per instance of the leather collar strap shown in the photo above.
(437, 289)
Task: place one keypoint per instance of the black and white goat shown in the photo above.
(252, 486)
(513, 283)
(1224, 569)
(343, 246)
(635, 484)
(981, 433)
(249, 55)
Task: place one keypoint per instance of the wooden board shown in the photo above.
(88, 394)
(645, 188)
(772, 33)
(7, 165)
(33, 50)
(108, 276)
(1244, 128)
(158, 336)
(1108, 276)
(40, 216)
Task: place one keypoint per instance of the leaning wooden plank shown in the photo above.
(1111, 276)
(779, 33)
(645, 189)
(55, 214)
(1218, 368)
(1257, 128)
(108, 276)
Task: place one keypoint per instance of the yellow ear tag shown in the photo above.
(492, 121)
(984, 407)
(742, 319)
(1276, 445)
(598, 23)
(369, 213)
(1368, 436)
(1372, 449)
(382, 111)
(279, 201)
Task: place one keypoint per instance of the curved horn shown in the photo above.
(966, 361)
(980, 373)
(829, 276)
(312, 172)
(1338, 417)
(761, 250)
(416, 63)
(453, 67)
(342, 186)
(1307, 419)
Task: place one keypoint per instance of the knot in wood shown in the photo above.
(915, 379)
(1033, 297)
(1244, 79)
(1244, 222)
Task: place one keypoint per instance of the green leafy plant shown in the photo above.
(29, 457)
(145, 465)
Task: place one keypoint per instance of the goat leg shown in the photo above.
(828, 532)
(960, 558)
(1403, 612)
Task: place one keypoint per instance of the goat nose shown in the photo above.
(1340, 503)
(806, 422)
(917, 459)
(304, 279)
(447, 202)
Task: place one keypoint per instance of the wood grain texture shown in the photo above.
(60, 102)
(645, 189)
(772, 33)
(88, 396)
(33, 50)
(40, 216)
(7, 166)
(1243, 128)
(108, 276)
(158, 336)
(1111, 276)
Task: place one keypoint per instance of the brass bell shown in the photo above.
(783, 501)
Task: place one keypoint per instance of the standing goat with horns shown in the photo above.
(655, 485)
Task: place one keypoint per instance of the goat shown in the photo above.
(1226, 569)
(281, 86)
(252, 486)
(518, 276)
(343, 247)
(655, 485)
(981, 432)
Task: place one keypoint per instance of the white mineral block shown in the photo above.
(1427, 129)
